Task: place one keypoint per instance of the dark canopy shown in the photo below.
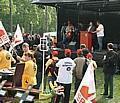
(91, 5)
(83, 11)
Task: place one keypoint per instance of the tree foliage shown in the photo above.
(29, 16)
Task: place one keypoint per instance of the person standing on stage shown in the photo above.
(100, 34)
(63, 31)
(91, 29)
(109, 67)
(64, 78)
(69, 33)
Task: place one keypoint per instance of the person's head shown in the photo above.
(82, 46)
(34, 47)
(85, 52)
(67, 52)
(98, 22)
(54, 53)
(29, 56)
(25, 47)
(90, 24)
(110, 46)
(79, 52)
(68, 22)
(89, 56)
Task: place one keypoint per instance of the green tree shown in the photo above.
(29, 16)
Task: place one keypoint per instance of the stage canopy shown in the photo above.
(83, 11)
(90, 5)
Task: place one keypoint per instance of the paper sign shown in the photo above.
(30, 98)
(2, 92)
(18, 95)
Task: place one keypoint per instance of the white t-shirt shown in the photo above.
(101, 30)
(66, 67)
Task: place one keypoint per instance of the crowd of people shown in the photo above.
(59, 72)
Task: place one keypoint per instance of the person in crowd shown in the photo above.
(39, 61)
(100, 34)
(37, 39)
(30, 70)
(78, 70)
(90, 60)
(5, 58)
(64, 78)
(51, 69)
(110, 60)
(25, 48)
(31, 41)
(84, 50)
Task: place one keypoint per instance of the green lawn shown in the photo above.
(99, 89)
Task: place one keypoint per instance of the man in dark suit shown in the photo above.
(110, 62)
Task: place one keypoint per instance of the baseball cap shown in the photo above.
(89, 55)
(79, 51)
(55, 53)
(25, 44)
(67, 51)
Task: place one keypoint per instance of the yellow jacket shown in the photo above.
(5, 59)
(29, 74)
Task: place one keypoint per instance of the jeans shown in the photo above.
(100, 42)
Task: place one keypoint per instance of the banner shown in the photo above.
(86, 92)
(17, 39)
(3, 35)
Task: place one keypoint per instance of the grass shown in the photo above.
(99, 89)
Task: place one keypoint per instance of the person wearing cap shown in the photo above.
(5, 58)
(90, 60)
(78, 70)
(84, 49)
(51, 70)
(64, 78)
(25, 48)
(30, 70)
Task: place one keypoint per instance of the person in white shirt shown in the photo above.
(100, 34)
(66, 66)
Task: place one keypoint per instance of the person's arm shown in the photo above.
(94, 65)
(98, 29)
(48, 63)
(20, 59)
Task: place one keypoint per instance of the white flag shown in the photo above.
(3, 35)
(18, 38)
(86, 92)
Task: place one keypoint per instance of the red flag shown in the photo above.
(3, 35)
(86, 92)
